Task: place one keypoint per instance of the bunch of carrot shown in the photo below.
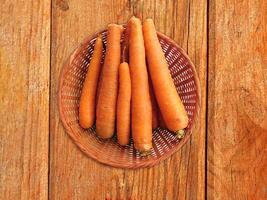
(132, 98)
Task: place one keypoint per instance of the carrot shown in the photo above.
(141, 103)
(107, 97)
(180, 133)
(124, 105)
(88, 95)
(170, 104)
(155, 121)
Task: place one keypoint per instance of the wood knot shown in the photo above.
(63, 5)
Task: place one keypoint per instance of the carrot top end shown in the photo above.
(145, 153)
(180, 134)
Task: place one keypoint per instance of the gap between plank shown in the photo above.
(50, 92)
(207, 103)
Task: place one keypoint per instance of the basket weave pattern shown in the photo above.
(109, 151)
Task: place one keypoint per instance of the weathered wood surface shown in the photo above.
(237, 102)
(24, 96)
(74, 175)
(225, 39)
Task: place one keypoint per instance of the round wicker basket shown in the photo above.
(109, 151)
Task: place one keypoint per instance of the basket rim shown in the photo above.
(147, 163)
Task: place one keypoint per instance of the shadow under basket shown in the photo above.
(109, 152)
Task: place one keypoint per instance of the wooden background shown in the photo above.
(226, 155)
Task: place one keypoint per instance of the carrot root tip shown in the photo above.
(180, 134)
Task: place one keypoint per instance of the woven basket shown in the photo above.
(109, 151)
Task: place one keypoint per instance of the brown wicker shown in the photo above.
(109, 151)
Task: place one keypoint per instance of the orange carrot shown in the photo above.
(141, 103)
(88, 95)
(107, 99)
(124, 105)
(154, 105)
(170, 104)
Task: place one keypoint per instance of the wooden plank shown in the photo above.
(237, 111)
(74, 175)
(24, 94)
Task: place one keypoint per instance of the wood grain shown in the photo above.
(237, 111)
(237, 101)
(72, 174)
(24, 94)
